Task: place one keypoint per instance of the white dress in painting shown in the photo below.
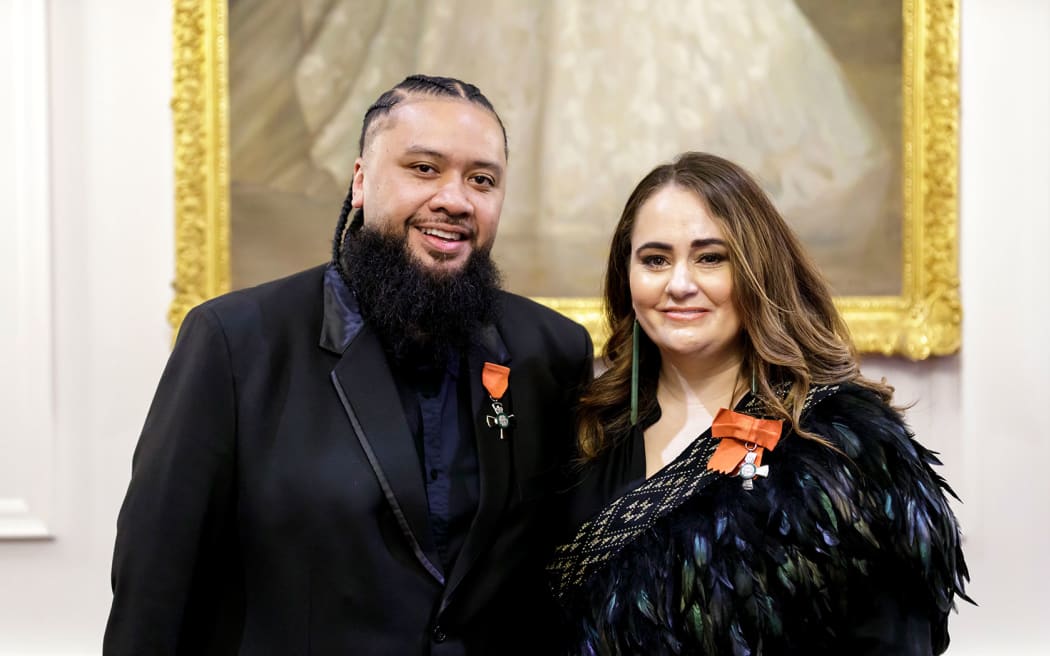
(594, 94)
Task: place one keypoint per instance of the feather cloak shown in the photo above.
(845, 550)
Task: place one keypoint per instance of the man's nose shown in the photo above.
(452, 199)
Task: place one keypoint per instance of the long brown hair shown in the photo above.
(793, 334)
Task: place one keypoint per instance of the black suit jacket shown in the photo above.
(277, 505)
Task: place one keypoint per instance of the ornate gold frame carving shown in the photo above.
(202, 183)
(924, 320)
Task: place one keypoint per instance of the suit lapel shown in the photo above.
(494, 457)
(367, 392)
(370, 398)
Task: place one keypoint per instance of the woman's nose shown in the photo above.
(682, 282)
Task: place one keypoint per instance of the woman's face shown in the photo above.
(681, 278)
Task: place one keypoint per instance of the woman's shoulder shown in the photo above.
(870, 437)
(859, 424)
(869, 462)
(873, 486)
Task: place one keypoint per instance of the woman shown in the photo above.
(804, 521)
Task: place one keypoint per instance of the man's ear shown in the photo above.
(358, 185)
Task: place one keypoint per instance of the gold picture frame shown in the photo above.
(924, 320)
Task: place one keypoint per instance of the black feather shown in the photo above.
(789, 566)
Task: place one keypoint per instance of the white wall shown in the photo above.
(26, 397)
(1006, 278)
(981, 408)
(111, 243)
(111, 254)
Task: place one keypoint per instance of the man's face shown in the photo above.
(433, 172)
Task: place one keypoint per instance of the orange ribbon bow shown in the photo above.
(495, 377)
(741, 434)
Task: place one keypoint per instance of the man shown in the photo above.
(361, 458)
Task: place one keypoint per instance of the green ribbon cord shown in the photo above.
(634, 374)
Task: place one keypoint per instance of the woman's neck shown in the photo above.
(689, 396)
(712, 384)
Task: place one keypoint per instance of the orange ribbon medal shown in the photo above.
(744, 440)
(495, 378)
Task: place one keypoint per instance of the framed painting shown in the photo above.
(847, 114)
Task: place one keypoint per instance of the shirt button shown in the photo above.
(433, 474)
(439, 634)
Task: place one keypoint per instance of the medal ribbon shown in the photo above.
(495, 378)
(741, 433)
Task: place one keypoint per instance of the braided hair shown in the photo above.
(413, 85)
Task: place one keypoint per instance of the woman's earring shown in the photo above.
(634, 373)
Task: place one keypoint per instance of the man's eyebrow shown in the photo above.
(697, 243)
(488, 165)
(495, 167)
(423, 150)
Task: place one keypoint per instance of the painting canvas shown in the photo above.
(805, 93)
(845, 112)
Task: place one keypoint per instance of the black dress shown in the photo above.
(844, 550)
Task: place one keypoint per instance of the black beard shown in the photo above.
(421, 316)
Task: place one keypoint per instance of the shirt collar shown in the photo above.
(342, 321)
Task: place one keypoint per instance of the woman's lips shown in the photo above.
(684, 314)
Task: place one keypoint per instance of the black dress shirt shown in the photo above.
(437, 407)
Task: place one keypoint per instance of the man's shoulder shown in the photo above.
(297, 288)
(278, 307)
(527, 325)
(519, 310)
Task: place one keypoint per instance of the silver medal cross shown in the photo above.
(748, 470)
(501, 420)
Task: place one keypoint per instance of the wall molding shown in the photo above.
(27, 466)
